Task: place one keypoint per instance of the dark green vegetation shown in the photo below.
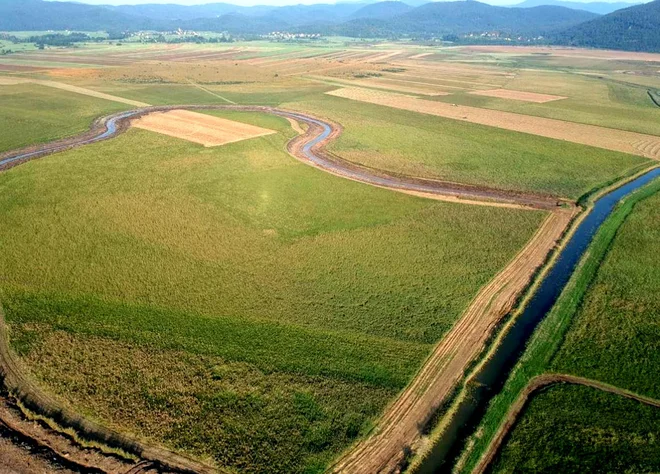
(422, 145)
(232, 302)
(634, 29)
(602, 8)
(33, 114)
(576, 429)
(581, 330)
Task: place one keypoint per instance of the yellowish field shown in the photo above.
(519, 95)
(7, 81)
(199, 128)
(600, 137)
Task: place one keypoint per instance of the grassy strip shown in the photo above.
(590, 431)
(549, 336)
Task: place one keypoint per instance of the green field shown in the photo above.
(232, 302)
(575, 429)
(32, 114)
(422, 145)
(603, 327)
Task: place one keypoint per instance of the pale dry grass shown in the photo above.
(519, 95)
(5, 81)
(600, 137)
(199, 128)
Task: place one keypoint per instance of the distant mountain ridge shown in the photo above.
(601, 8)
(461, 17)
(636, 28)
(382, 10)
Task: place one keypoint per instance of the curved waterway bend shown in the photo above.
(111, 129)
(312, 151)
(495, 371)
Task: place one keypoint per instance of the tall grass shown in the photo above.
(575, 429)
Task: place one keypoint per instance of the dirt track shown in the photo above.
(538, 383)
(399, 427)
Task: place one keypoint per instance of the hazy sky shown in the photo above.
(271, 2)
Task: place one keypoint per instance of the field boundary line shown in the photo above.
(535, 385)
(78, 90)
(211, 92)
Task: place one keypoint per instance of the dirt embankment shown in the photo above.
(399, 429)
(535, 385)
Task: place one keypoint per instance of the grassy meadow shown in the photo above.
(232, 302)
(32, 114)
(422, 145)
(237, 305)
(575, 429)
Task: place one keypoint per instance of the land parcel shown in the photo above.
(199, 128)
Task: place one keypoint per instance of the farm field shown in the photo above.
(618, 323)
(214, 295)
(225, 264)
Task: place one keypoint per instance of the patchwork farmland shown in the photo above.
(203, 287)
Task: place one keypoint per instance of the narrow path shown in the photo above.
(536, 384)
(399, 427)
(210, 92)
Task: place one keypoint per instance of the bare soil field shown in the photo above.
(600, 137)
(519, 95)
(400, 426)
(199, 128)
